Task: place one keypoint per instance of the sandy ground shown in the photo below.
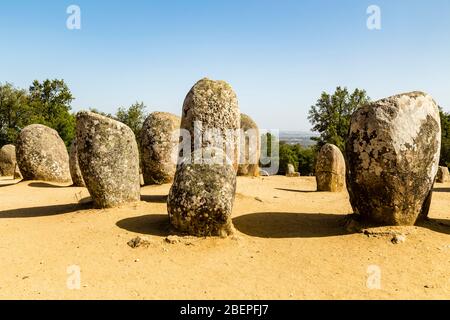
(289, 244)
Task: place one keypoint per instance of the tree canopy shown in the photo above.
(331, 115)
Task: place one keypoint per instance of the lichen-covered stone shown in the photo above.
(250, 147)
(109, 160)
(392, 158)
(201, 199)
(159, 145)
(330, 169)
(8, 161)
(443, 175)
(42, 155)
(211, 111)
(75, 172)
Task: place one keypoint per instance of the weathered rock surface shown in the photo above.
(8, 162)
(250, 142)
(201, 199)
(330, 169)
(392, 158)
(159, 145)
(109, 160)
(443, 175)
(42, 155)
(211, 111)
(75, 171)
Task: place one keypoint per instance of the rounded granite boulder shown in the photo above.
(75, 171)
(8, 161)
(330, 169)
(109, 160)
(159, 145)
(42, 155)
(250, 142)
(201, 199)
(211, 116)
(392, 156)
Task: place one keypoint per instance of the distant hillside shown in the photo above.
(298, 137)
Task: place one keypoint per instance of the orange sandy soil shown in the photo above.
(289, 244)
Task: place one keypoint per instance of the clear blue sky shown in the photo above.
(278, 55)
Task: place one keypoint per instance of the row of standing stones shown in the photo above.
(391, 161)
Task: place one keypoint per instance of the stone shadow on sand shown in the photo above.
(35, 212)
(294, 190)
(436, 225)
(441, 190)
(154, 198)
(153, 224)
(290, 225)
(46, 185)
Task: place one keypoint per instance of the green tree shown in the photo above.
(134, 117)
(306, 160)
(331, 114)
(14, 112)
(50, 102)
(445, 139)
(288, 155)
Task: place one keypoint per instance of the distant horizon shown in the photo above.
(279, 56)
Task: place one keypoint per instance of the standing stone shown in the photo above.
(75, 171)
(42, 155)
(211, 111)
(443, 175)
(250, 147)
(392, 158)
(201, 199)
(291, 172)
(8, 163)
(109, 160)
(159, 145)
(330, 169)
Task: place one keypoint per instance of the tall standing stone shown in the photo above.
(8, 162)
(42, 155)
(159, 145)
(443, 175)
(75, 171)
(201, 199)
(392, 158)
(211, 115)
(290, 172)
(250, 147)
(109, 160)
(330, 169)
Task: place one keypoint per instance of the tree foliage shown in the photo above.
(445, 139)
(331, 115)
(133, 116)
(302, 158)
(14, 112)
